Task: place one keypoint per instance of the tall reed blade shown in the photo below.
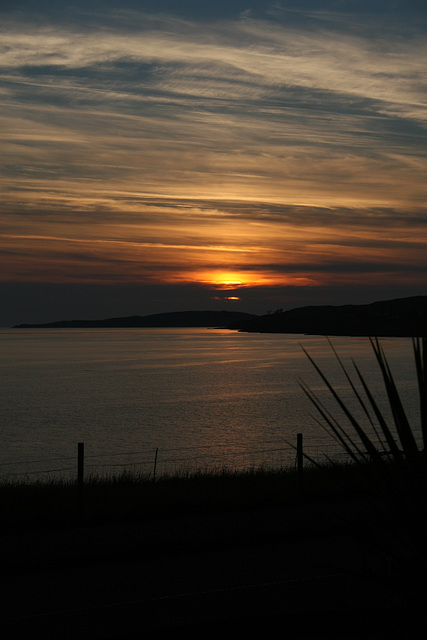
(420, 354)
(370, 447)
(397, 481)
(332, 427)
(403, 428)
(388, 438)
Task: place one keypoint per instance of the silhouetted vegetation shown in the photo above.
(132, 497)
(391, 456)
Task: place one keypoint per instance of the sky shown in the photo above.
(241, 155)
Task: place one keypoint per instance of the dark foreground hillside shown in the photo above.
(300, 568)
(278, 573)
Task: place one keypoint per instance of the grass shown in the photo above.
(131, 497)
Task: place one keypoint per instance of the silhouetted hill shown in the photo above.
(400, 317)
(174, 319)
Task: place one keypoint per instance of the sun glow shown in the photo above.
(228, 284)
(226, 280)
(229, 281)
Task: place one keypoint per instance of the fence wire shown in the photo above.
(169, 461)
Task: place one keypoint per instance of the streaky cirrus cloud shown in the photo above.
(278, 147)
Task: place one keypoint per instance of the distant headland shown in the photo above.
(402, 317)
(208, 319)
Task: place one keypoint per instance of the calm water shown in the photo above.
(203, 398)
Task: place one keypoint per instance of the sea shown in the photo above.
(165, 401)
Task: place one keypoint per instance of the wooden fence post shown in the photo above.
(155, 464)
(80, 476)
(300, 459)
